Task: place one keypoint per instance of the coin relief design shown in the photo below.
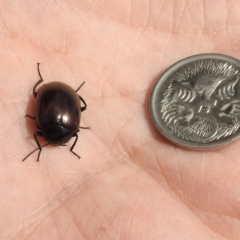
(198, 101)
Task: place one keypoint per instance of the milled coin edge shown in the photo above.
(172, 138)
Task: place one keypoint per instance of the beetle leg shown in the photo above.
(38, 82)
(39, 146)
(30, 116)
(79, 87)
(85, 105)
(85, 127)
(71, 149)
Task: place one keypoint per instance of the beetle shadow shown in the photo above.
(31, 124)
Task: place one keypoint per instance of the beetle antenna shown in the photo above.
(80, 86)
(38, 82)
(35, 151)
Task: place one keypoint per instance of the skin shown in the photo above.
(130, 182)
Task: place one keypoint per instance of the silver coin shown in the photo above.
(196, 102)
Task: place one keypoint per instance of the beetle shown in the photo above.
(57, 114)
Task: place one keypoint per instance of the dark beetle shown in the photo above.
(57, 114)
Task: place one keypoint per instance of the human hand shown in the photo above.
(130, 183)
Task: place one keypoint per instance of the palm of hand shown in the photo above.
(130, 182)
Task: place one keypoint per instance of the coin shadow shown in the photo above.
(152, 128)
